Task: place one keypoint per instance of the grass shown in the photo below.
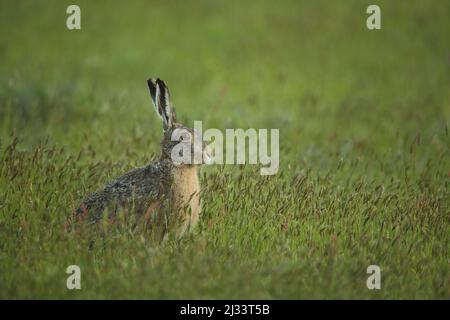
(364, 147)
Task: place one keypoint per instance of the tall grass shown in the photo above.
(364, 147)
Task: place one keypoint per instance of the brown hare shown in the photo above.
(166, 192)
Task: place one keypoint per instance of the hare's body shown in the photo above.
(135, 190)
(163, 190)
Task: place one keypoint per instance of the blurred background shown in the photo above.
(364, 146)
(311, 68)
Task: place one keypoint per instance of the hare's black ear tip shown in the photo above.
(151, 83)
(152, 87)
(160, 82)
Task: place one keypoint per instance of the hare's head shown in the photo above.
(181, 144)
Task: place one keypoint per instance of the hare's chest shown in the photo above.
(186, 193)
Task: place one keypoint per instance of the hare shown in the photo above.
(170, 187)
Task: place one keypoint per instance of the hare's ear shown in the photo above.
(162, 102)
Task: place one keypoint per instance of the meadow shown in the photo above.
(364, 147)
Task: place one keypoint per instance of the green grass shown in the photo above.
(364, 146)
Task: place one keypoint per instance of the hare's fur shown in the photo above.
(166, 194)
(186, 196)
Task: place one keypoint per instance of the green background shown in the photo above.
(364, 146)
